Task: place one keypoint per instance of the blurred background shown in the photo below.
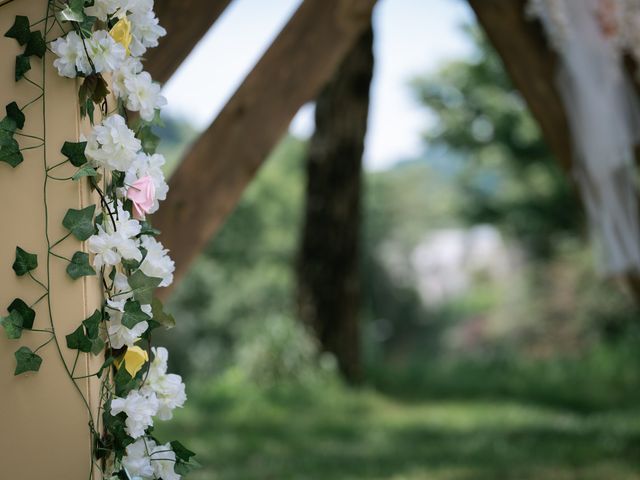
(440, 315)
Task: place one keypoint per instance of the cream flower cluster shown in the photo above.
(160, 395)
(123, 245)
(101, 53)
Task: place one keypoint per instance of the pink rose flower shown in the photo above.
(142, 193)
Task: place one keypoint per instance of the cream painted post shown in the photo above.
(44, 429)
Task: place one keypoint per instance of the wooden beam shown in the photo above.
(531, 64)
(210, 180)
(184, 30)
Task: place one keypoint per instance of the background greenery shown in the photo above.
(549, 387)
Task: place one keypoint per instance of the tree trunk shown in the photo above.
(328, 263)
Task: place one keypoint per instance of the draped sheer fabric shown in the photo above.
(604, 118)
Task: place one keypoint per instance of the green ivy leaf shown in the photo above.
(85, 171)
(80, 222)
(159, 315)
(25, 311)
(143, 287)
(133, 314)
(115, 425)
(79, 341)
(124, 382)
(10, 153)
(13, 325)
(35, 45)
(7, 130)
(97, 346)
(15, 114)
(107, 363)
(147, 229)
(92, 324)
(19, 30)
(24, 262)
(148, 139)
(86, 26)
(27, 361)
(23, 65)
(74, 12)
(75, 152)
(182, 452)
(79, 266)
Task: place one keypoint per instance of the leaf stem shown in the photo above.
(58, 256)
(39, 300)
(45, 343)
(57, 165)
(38, 282)
(61, 240)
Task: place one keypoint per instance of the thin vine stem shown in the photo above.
(54, 336)
(38, 281)
(61, 240)
(32, 101)
(58, 256)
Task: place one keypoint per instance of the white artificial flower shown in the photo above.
(112, 243)
(163, 461)
(106, 54)
(143, 95)
(137, 461)
(129, 68)
(145, 30)
(72, 57)
(168, 388)
(139, 6)
(104, 8)
(112, 145)
(119, 335)
(151, 166)
(140, 410)
(156, 263)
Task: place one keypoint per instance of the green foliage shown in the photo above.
(35, 45)
(143, 286)
(9, 148)
(26, 361)
(27, 314)
(80, 222)
(244, 279)
(85, 171)
(133, 315)
(73, 12)
(15, 114)
(352, 434)
(159, 314)
(24, 262)
(74, 151)
(78, 340)
(23, 65)
(507, 176)
(13, 325)
(79, 266)
(20, 30)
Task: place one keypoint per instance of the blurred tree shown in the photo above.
(328, 262)
(508, 176)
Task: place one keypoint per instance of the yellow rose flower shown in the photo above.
(134, 359)
(121, 33)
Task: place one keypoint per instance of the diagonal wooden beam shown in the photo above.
(531, 64)
(212, 176)
(184, 28)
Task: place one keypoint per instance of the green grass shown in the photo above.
(242, 433)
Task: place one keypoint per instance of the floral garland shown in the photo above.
(91, 40)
